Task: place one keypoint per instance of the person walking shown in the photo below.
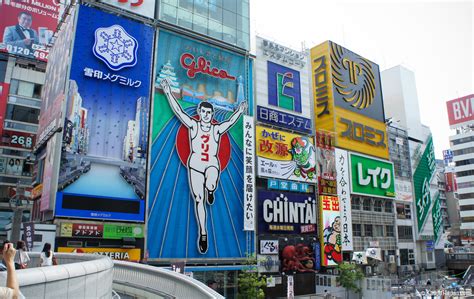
(46, 255)
(21, 258)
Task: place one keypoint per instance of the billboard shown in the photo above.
(105, 230)
(18, 139)
(403, 190)
(371, 176)
(437, 219)
(282, 89)
(249, 188)
(330, 226)
(348, 99)
(197, 161)
(326, 163)
(27, 27)
(298, 256)
(450, 178)
(421, 181)
(344, 194)
(123, 254)
(144, 8)
(284, 155)
(286, 213)
(460, 111)
(104, 149)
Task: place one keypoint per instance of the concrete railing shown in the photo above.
(151, 282)
(76, 276)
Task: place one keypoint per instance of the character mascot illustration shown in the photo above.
(332, 241)
(303, 153)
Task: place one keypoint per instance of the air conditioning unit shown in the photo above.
(391, 259)
(368, 270)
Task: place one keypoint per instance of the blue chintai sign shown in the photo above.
(282, 212)
(196, 168)
(104, 149)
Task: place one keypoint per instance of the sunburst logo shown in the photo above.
(353, 77)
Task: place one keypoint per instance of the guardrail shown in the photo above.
(158, 281)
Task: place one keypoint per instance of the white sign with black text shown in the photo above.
(249, 174)
(269, 247)
(344, 194)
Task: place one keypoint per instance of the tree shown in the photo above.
(250, 283)
(349, 277)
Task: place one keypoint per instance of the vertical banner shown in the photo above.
(330, 220)
(4, 89)
(28, 234)
(290, 294)
(326, 165)
(104, 149)
(421, 180)
(343, 192)
(437, 219)
(249, 170)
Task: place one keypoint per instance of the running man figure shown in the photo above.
(203, 163)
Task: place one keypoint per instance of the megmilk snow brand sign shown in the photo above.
(421, 180)
(348, 99)
(284, 155)
(461, 111)
(144, 8)
(284, 212)
(197, 160)
(103, 164)
(282, 87)
(372, 177)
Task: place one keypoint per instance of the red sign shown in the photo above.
(4, 88)
(461, 110)
(18, 139)
(324, 139)
(87, 230)
(28, 27)
(326, 186)
(202, 65)
(451, 185)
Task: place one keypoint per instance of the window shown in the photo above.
(378, 230)
(466, 195)
(356, 230)
(465, 173)
(390, 232)
(388, 207)
(462, 140)
(407, 257)
(465, 151)
(378, 205)
(26, 89)
(403, 211)
(366, 205)
(355, 203)
(467, 208)
(23, 114)
(405, 233)
(368, 230)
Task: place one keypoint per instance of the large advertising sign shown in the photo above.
(282, 88)
(27, 27)
(330, 225)
(450, 179)
(286, 213)
(344, 194)
(297, 256)
(372, 177)
(105, 231)
(103, 164)
(284, 155)
(421, 180)
(196, 207)
(348, 99)
(124, 254)
(461, 111)
(326, 163)
(403, 190)
(249, 188)
(437, 219)
(144, 8)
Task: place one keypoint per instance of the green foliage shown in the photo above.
(250, 283)
(349, 276)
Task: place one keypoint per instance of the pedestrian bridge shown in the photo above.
(96, 276)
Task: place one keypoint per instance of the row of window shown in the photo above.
(25, 89)
(370, 230)
(403, 211)
(465, 173)
(467, 219)
(371, 204)
(465, 162)
(462, 140)
(466, 196)
(467, 208)
(465, 151)
(465, 185)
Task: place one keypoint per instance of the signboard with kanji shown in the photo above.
(249, 172)
(330, 225)
(344, 194)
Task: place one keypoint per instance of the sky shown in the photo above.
(434, 39)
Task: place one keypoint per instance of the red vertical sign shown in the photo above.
(4, 89)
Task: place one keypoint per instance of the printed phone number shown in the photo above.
(39, 53)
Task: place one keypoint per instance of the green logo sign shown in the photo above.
(112, 231)
(421, 180)
(437, 219)
(373, 177)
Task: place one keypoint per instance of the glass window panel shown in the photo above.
(243, 8)
(201, 7)
(229, 35)
(229, 19)
(188, 4)
(230, 5)
(200, 24)
(168, 13)
(14, 86)
(243, 24)
(170, 2)
(215, 29)
(185, 18)
(26, 89)
(215, 13)
(23, 114)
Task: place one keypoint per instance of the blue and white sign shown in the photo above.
(273, 184)
(282, 89)
(103, 164)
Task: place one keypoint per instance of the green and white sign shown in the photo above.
(371, 176)
(421, 180)
(114, 231)
(437, 219)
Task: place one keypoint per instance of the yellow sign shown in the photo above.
(37, 191)
(348, 99)
(66, 230)
(284, 155)
(132, 255)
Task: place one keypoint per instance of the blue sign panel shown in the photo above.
(284, 87)
(196, 207)
(286, 213)
(283, 120)
(104, 151)
(274, 184)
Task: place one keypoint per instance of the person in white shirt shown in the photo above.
(46, 255)
(21, 258)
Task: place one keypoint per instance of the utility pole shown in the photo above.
(18, 203)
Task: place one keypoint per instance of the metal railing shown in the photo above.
(158, 281)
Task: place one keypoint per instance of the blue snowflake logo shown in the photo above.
(114, 46)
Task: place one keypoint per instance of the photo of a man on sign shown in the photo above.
(21, 35)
